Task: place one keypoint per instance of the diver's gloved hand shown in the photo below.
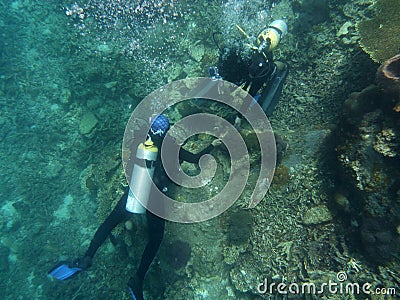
(135, 286)
(83, 263)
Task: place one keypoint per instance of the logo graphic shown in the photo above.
(196, 89)
(341, 276)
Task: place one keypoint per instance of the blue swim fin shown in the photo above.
(135, 288)
(131, 292)
(63, 271)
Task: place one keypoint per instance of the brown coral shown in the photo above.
(391, 68)
(385, 143)
(388, 76)
(379, 36)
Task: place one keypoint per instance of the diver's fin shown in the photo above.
(63, 271)
(132, 293)
(135, 288)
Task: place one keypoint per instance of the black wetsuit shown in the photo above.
(155, 224)
(260, 76)
(261, 71)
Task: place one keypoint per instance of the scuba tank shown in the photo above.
(142, 178)
(270, 37)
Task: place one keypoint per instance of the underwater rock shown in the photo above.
(178, 254)
(380, 238)
(240, 227)
(344, 29)
(196, 51)
(111, 84)
(281, 176)
(94, 103)
(105, 49)
(252, 142)
(250, 138)
(317, 215)
(86, 179)
(360, 103)
(281, 147)
(65, 96)
(346, 33)
(87, 123)
(342, 201)
(53, 169)
(174, 72)
(311, 12)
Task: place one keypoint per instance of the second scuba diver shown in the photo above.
(252, 67)
(127, 206)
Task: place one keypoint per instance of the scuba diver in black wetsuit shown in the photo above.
(255, 71)
(128, 204)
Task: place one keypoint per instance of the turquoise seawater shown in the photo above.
(72, 73)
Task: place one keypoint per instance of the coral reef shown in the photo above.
(368, 148)
(387, 143)
(177, 254)
(59, 63)
(240, 227)
(379, 35)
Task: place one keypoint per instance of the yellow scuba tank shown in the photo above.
(142, 178)
(270, 37)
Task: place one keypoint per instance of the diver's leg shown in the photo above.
(118, 215)
(155, 226)
(66, 269)
(271, 94)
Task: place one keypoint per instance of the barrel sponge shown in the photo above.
(379, 35)
(388, 76)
